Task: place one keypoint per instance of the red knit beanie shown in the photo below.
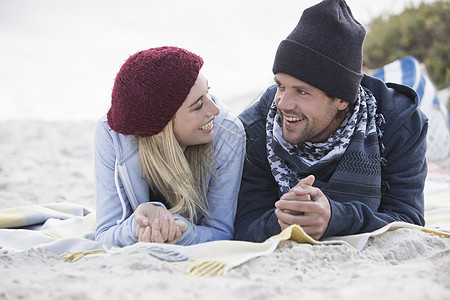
(150, 87)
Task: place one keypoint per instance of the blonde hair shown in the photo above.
(181, 177)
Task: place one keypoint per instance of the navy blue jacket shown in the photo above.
(397, 191)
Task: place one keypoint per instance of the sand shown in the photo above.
(44, 162)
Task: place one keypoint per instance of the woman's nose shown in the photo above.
(213, 109)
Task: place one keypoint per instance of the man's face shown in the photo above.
(307, 113)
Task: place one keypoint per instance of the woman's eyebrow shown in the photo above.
(196, 101)
(200, 98)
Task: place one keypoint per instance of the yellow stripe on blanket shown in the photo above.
(294, 233)
(10, 218)
(76, 256)
(37, 214)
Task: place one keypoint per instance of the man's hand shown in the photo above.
(305, 206)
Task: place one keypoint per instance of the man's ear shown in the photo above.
(342, 104)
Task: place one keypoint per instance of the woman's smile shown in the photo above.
(206, 128)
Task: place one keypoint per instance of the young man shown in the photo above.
(329, 148)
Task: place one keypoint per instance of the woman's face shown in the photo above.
(193, 121)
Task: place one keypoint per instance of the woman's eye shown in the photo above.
(200, 105)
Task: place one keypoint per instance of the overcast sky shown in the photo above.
(58, 58)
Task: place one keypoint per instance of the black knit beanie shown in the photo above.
(325, 50)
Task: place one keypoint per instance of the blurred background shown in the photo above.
(59, 58)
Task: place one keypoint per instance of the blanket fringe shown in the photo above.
(206, 268)
(75, 256)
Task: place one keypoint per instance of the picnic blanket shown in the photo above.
(68, 230)
(56, 227)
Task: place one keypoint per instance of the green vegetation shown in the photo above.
(423, 32)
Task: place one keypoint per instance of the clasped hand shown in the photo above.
(305, 206)
(156, 224)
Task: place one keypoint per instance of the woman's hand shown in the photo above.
(146, 212)
(165, 231)
(157, 232)
(157, 225)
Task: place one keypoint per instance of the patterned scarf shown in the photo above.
(362, 119)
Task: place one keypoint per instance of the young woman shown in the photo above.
(168, 156)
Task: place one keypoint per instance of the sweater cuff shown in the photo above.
(338, 219)
(133, 229)
(188, 237)
(272, 225)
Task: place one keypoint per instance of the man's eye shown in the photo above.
(280, 86)
(301, 92)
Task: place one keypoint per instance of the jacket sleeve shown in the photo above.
(255, 219)
(223, 187)
(108, 205)
(403, 180)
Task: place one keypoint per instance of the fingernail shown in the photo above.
(145, 222)
(156, 233)
(147, 229)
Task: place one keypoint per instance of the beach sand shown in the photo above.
(42, 162)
